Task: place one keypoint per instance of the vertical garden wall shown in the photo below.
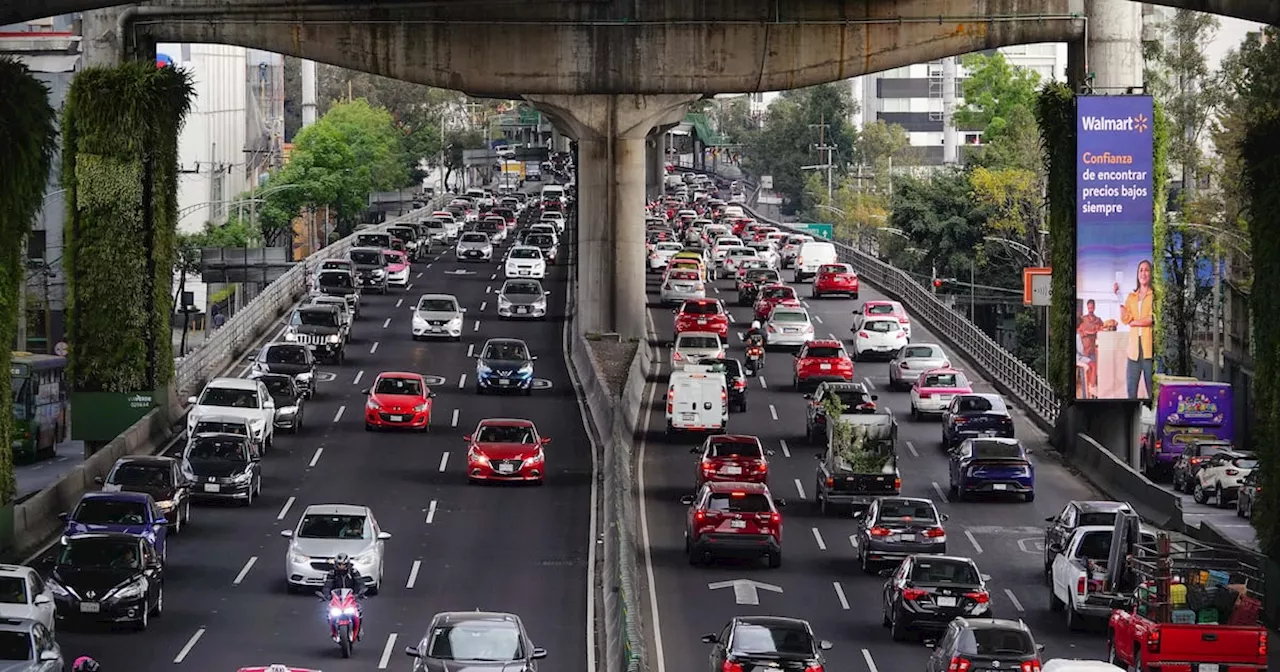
(1056, 114)
(120, 159)
(28, 129)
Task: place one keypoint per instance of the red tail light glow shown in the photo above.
(981, 597)
(1030, 666)
(935, 532)
(879, 531)
(1080, 586)
(913, 593)
(813, 668)
(700, 516)
(1232, 472)
(958, 664)
(863, 334)
(1153, 640)
(897, 484)
(730, 666)
(1262, 644)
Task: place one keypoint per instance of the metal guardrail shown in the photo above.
(1028, 388)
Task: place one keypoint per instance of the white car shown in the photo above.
(913, 360)
(692, 346)
(682, 284)
(556, 218)
(474, 246)
(939, 387)
(729, 267)
(525, 261)
(662, 254)
(28, 596)
(237, 397)
(881, 308)
(438, 316)
(543, 227)
(788, 326)
(766, 252)
(1221, 477)
(324, 531)
(878, 336)
(722, 245)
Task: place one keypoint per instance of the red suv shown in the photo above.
(733, 519)
(772, 296)
(731, 458)
(835, 279)
(703, 315)
(820, 362)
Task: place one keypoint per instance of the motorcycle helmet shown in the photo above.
(755, 325)
(85, 664)
(341, 562)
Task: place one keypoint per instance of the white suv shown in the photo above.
(240, 398)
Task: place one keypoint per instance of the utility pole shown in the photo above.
(1215, 332)
(950, 146)
(824, 150)
(21, 341)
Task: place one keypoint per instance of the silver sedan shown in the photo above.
(324, 531)
(914, 360)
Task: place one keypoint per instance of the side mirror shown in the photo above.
(383, 536)
(48, 656)
(695, 450)
(886, 573)
(945, 517)
(1050, 519)
(431, 395)
(286, 533)
(462, 310)
(710, 639)
(547, 293)
(467, 437)
(875, 397)
(769, 453)
(1039, 648)
(930, 643)
(192, 400)
(42, 599)
(539, 653)
(780, 503)
(64, 516)
(545, 440)
(857, 514)
(986, 577)
(535, 358)
(687, 500)
(1029, 451)
(818, 456)
(365, 391)
(99, 480)
(808, 396)
(825, 645)
(155, 566)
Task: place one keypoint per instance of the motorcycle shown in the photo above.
(344, 618)
(755, 359)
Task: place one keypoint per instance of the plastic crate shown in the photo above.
(1207, 616)
(1184, 616)
(1178, 594)
(1245, 612)
(1217, 578)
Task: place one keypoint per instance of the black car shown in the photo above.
(160, 477)
(319, 329)
(371, 268)
(853, 396)
(475, 641)
(1076, 514)
(343, 283)
(926, 592)
(504, 364)
(752, 281)
(985, 644)
(291, 359)
(735, 378)
(766, 642)
(289, 400)
(1195, 454)
(892, 528)
(108, 577)
(970, 416)
(224, 466)
(545, 242)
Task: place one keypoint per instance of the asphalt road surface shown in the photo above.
(820, 579)
(454, 546)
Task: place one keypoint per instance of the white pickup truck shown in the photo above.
(1081, 570)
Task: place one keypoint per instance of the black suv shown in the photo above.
(983, 644)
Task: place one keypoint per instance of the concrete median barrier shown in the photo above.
(1121, 482)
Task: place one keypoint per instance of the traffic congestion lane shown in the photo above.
(461, 563)
(819, 578)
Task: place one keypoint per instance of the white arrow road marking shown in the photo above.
(745, 591)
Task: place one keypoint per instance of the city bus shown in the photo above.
(41, 405)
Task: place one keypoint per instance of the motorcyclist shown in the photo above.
(345, 575)
(755, 335)
(85, 664)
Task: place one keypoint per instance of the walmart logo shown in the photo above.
(1138, 123)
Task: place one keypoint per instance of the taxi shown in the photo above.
(686, 264)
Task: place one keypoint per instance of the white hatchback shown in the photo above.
(878, 337)
(692, 346)
(29, 596)
(788, 326)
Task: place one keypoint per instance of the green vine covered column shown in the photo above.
(1056, 114)
(1160, 225)
(28, 129)
(120, 159)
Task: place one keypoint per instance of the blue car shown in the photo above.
(134, 513)
(504, 364)
(995, 466)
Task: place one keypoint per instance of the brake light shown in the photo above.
(913, 593)
(700, 516)
(677, 356)
(830, 482)
(813, 668)
(1232, 472)
(708, 465)
(863, 334)
(981, 596)
(1262, 644)
(960, 419)
(730, 666)
(935, 532)
(1159, 443)
(1197, 460)
(897, 484)
(775, 518)
(879, 531)
(723, 395)
(904, 365)
(902, 334)
(739, 384)
(1153, 640)
(958, 664)
(737, 495)
(1080, 586)
(1030, 666)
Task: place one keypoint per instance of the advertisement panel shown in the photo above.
(1115, 304)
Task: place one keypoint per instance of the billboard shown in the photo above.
(1115, 304)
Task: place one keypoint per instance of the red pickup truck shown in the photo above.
(1139, 643)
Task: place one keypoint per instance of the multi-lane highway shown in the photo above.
(454, 546)
(820, 579)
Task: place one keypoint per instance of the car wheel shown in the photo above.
(1029, 497)
(1199, 494)
(1239, 506)
(775, 559)
(368, 427)
(1054, 603)
(143, 621)
(897, 631)
(1220, 501)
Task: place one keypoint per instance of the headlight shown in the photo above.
(304, 376)
(166, 505)
(130, 592)
(378, 273)
(526, 370)
(365, 558)
(287, 410)
(334, 339)
(503, 304)
(456, 321)
(242, 477)
(420, 407)
(483, 370)
(298, 558)
(373, 405)
(334, 612)
(533, 459)
(58, 589)
(474, 455)
(419, 322)
(257, 423)
(290, 336)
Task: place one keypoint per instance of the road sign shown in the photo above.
(1037, 286)
(60, 349)
(766, 181)
(827, 231)
(745, 591)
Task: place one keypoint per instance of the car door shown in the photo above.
(867, 521)
(161, 530)
(180, 490)
(45, 643)
(954, 459)
(266, 407)
(41, 598)
(894, 584)
(940, 659)
(720, 650)
(153, 570)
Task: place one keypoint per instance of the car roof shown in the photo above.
(400, 374)
(504, 340)
(22, 625)
(226, 419)
(455, 617)
(233, 383)
(697, 333)
(220, 435)
(941, 371)
(117, 536)
(993, 624)
(506, 422)
(701, 302)
(1100, 506)
(146, 460)
(450, 297)
(843, 387)
(317, 308)
(767, 621)
(950, 558)
(285, 345)
(336, 510)
(14, 570)
(727, 486)
(736, 438)
(909, 500)
(131, 496)
(996, 439)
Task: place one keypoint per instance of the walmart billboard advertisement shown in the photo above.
(1115, 304)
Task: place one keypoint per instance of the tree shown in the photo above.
(793, 125)
(853, 211)
(994, 92)
(1014, 197)
(878, 146)
(939, 217)
(733, 119)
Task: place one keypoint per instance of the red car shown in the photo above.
(835, 279)
(398, 400)
(820, 362)
(738, 519)
(703, 315)
(504, 449)
(772, 296)
(731, 458)
(759, 234)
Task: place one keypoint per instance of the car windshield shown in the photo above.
(337, 264)
(762, 276)
(540, 240)
(100, 554)
(506, 351)
(407, 386)
(107, 511)
(701, 308)
(485, 641)
(824, 351)
(435, 224)
(1211, 449)
(1245, 463)
(331, 526)
(833, 268)
(780, 293)
(996, 450)
(739, 502)
(789, 316)
(684, 275)
(342, 280)
(490, 225)
(526, 253)
(505, 434)
(218, 448)
(944, 571)
(15, 645)
(880, 309)
(743, 252)
(279, 387)
(777, 639)
(981, 405)
(906, 511)
(1090, 518)
(881, 326)
(314, 318)
(372, 240)
(13, 590)
(437, 306)
(944, 380)
(474, 238)
(921, 352)
(996, 642)
(286, 355)
(133, 473)
(699, 342)
(369, 257)
(522, 288)
(726, 448)
(215, 427)
(230, 397)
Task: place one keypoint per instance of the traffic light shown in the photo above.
(938, 282)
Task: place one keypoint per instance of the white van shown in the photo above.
(811, 256)
(697, 401)
(1069, 665)
(552, 192)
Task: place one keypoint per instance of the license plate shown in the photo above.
(825, 367)
(506, 468)
(987, 434)
(1208, 667)
(999, 486)
(791, 331)
(90, 607)
(907, 537)
(504, 382)
(688, 417)
(398, 418)
(212, 487)
(733, 471)
(702, 321)
(944, 397)
(737, 524)
(946, 601)
(437, 329)
(522, 310)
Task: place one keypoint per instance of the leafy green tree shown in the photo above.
(732, 118)
(994, 92)
(939, 217)
(794, 124)
(878, 146)
(1014, 199)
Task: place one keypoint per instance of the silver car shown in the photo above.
(324, 531)
(474, 246)
(29, 646)
(788, 327)
(522, 299)
(438, 316)
(475, 641)
(913, 360)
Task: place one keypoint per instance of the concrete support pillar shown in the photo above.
(611, 131)
(100, 44)
(656, 161)
(1110, 61)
